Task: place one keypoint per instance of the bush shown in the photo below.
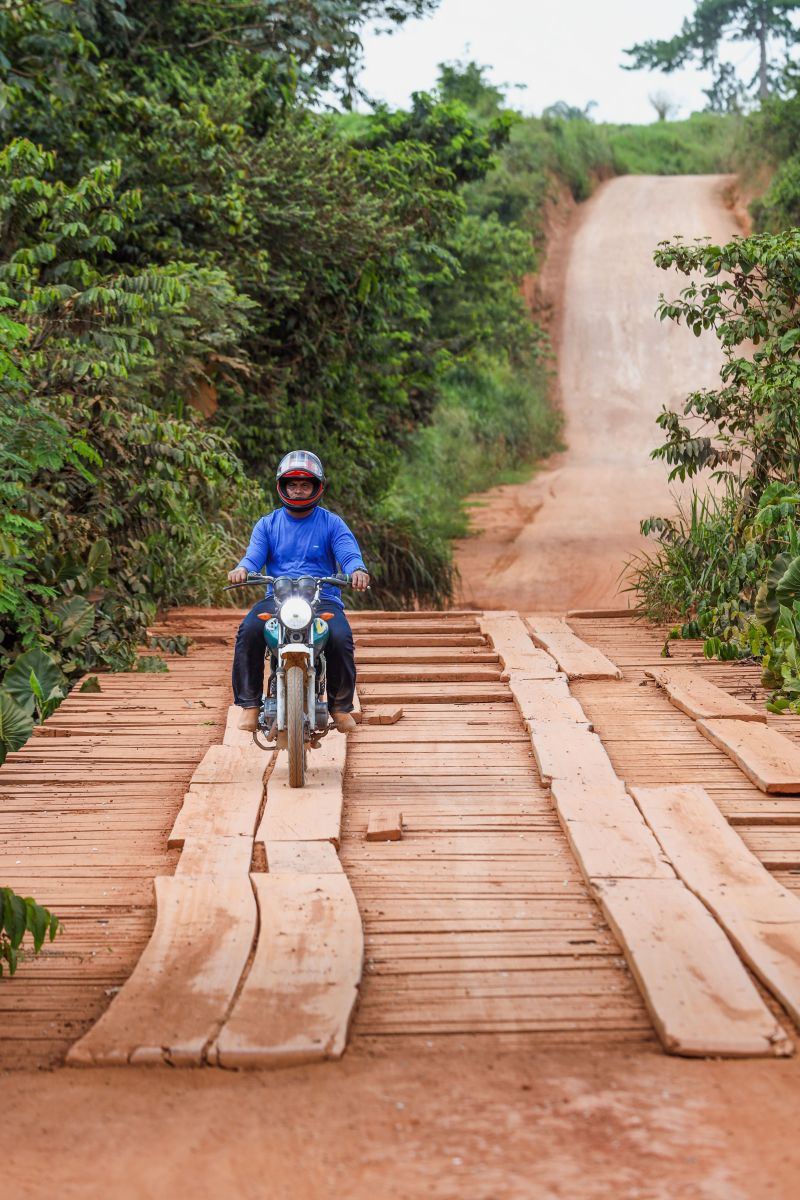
(730, 569)
(493, 419)
(704, 144)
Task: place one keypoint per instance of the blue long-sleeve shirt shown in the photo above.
(319, 544)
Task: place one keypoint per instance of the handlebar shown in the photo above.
(341, 580)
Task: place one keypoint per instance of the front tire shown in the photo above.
(295, 742)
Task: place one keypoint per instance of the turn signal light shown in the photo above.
(264, 616)
(327, 616)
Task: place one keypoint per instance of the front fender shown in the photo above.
(296, 656)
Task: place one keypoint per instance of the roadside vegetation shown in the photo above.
(727, 567)
(20, 915)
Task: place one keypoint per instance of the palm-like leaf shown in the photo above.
(16, 725)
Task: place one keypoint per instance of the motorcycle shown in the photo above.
(294, 712)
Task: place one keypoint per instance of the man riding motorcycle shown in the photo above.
(300, 538)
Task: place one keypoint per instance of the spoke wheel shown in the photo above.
(295, 743)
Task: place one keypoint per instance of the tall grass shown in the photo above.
(692, 561)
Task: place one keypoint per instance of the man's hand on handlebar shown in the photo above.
(359, 581)
(237, 575)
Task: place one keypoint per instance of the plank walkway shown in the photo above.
(478, 920)
(85, 818)
(651, 743)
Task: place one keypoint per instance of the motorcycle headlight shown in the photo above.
(296, 613)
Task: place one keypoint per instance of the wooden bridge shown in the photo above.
(597, 845)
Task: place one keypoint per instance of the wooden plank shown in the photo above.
(576, 799)
(217, 810)
(216, 856)
(383, 714)
(180, 989)
(545, 700)
(625, 849)
(576, 658)
(699, 995)
(453, 656)
(305, 858)
(761, 917)
(415, 628)
(401, 672)
(698, 697)
(435, 693)
(605, 830)
(458, 615)
(299, 995)
(511, 640)
(310, 813)
(385, 825)
(769, 759)
(228, 764)
(418, 640)
(565, 750)
(600, 614)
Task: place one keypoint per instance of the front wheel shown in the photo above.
(295, 742)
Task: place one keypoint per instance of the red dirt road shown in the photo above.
(561, 541)
(458, 1119)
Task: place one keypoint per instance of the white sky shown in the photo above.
(558, 49)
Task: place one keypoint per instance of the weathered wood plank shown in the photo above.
(625, 849)
(298, 998)
(385, 825)
(230, 856)
(217, 810)
(310, 813)
(761, 917)
(383, 714)
(769, 759)
(180, 989)
(230, 764)
(565, 750)
(511, 640)
(545, 699)
(305, 858)
(575, 658)
(699, 995)
(698, 697)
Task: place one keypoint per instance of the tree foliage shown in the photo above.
(730, 567)
(747, 294)
(713, 23)
(179, 229)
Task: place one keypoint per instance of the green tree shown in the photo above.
(748, 430)
(468, 83)
(297, 279)
(284, 46)
(717, 21)
(110, 505)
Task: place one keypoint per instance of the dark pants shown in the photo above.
(248, 659)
